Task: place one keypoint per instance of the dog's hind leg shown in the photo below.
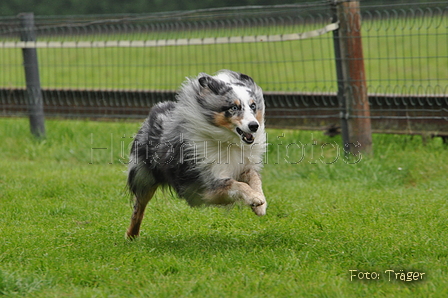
(139, 210)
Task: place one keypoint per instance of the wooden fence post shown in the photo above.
(352, 86)
(33, 88)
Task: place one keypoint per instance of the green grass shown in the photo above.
(64, 211)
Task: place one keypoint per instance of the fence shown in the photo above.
(118, 66)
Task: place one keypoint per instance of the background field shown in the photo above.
(403, 55)
(63, 214)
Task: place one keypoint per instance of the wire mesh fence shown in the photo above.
(120, 65)
(156, 52)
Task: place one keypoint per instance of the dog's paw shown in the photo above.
(260, 210)
(129, 236)
(258, 204)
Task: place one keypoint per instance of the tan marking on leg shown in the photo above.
(137, 216)
(252, 178)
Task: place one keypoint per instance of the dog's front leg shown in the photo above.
(252, 198)
(253, 179)
(230, 190)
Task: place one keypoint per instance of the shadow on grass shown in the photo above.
(222, 243)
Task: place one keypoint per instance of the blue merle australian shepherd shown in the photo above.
(208, 146)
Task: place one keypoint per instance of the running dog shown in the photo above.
(208, 146)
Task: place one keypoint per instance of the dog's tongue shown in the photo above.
(248, 137)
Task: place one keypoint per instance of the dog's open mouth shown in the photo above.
(246, 137)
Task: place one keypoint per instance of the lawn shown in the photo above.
(64, 211)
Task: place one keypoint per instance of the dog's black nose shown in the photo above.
(253, 126)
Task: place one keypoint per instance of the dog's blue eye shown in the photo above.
(234, 108)
(253, 106)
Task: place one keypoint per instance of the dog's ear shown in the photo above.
(214, 85)
(246, 79)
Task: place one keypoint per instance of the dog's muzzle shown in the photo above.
(246, 136)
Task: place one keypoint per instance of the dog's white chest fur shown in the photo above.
(230, 160)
